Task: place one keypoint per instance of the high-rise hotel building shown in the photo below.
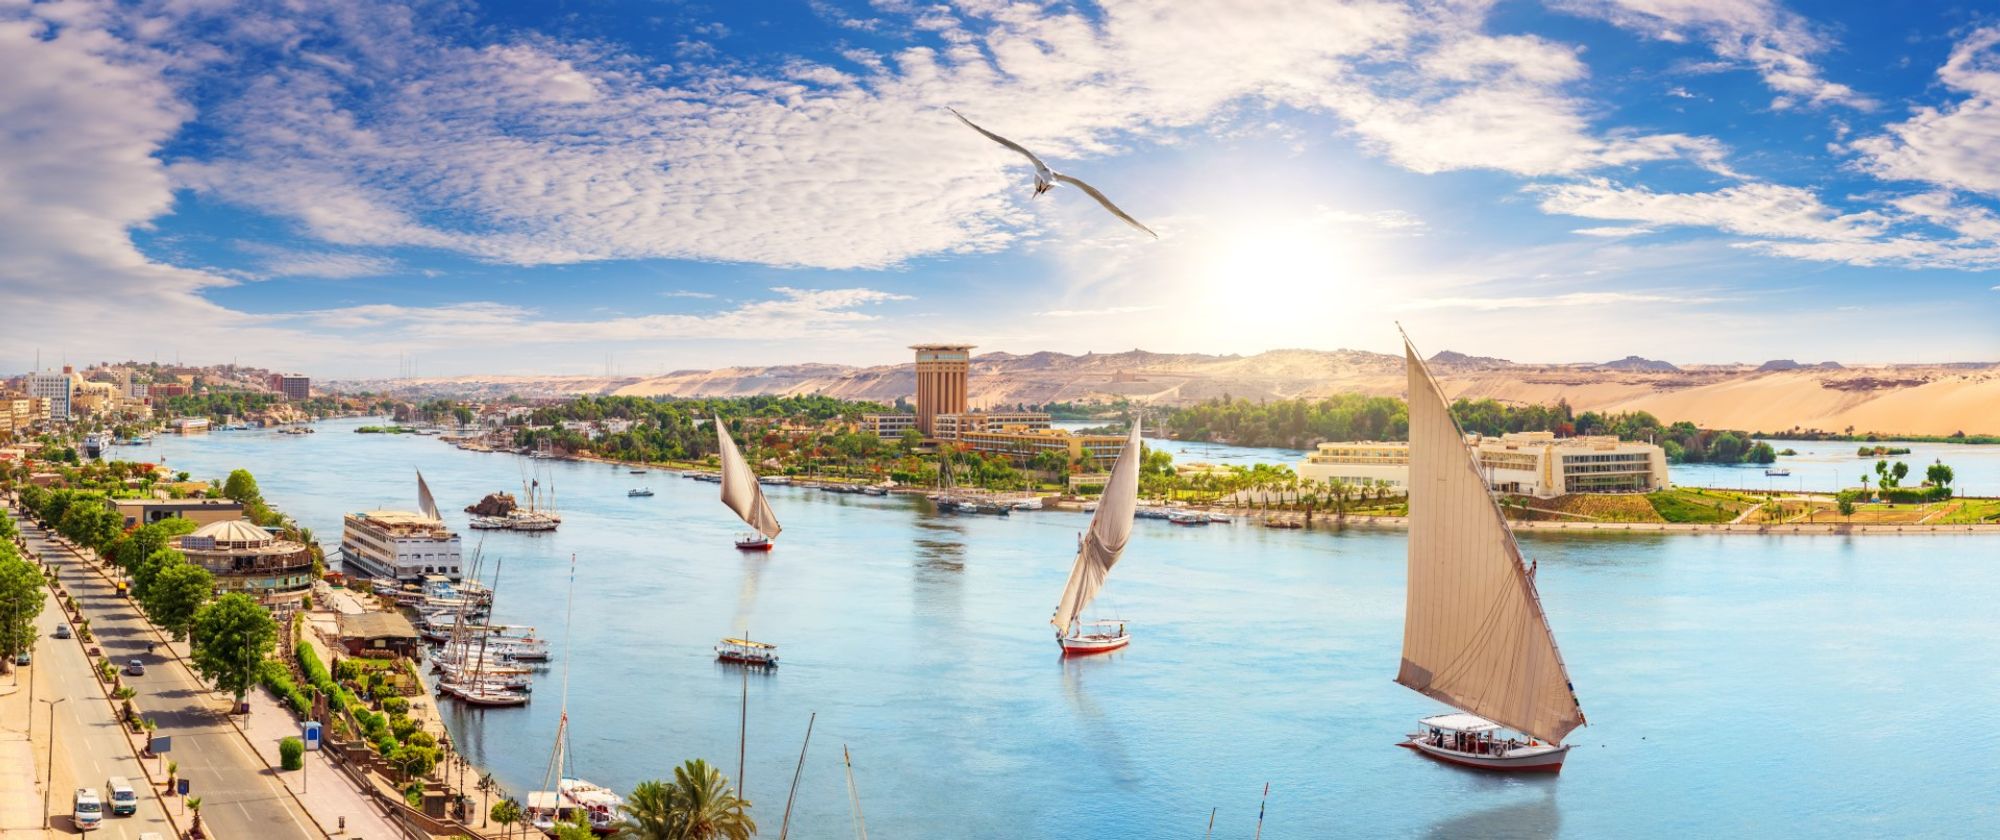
(941, 375)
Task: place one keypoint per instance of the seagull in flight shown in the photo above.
(1046, 178)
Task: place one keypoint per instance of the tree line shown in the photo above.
(1301, 423)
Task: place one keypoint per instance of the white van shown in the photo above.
(88, 810)
(124, 800)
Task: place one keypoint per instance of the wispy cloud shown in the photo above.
(1613, 231)
(687, 293)
(275, 261)
(792, 314)
(1571, 299)
(1095, 313)
(1755, 33)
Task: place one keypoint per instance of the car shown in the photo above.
(23, 658)
(62, 631)
(88, 810)
(135, 668)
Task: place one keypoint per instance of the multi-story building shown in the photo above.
(953, 426)
(941, 377)
(1526, 463)
(56, 388)
(888, 426)
(163, 390)
(398, 544)
(1021, 444)
(294, 386)
(245, 558)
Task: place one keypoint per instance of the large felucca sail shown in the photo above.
(741, 493)
(1474, 634)
(425, 502)
(1097, 551)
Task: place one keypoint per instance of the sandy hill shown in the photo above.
(1906, 399)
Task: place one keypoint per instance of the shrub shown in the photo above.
(292, 753)
(396, 706)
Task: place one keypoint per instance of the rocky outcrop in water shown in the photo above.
(495, 504)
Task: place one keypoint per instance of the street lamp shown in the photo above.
(49, 782)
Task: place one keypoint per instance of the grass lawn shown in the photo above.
(1694, 504)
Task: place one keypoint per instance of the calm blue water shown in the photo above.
(1829, 465)
(1736, 685)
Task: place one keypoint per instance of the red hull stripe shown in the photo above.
(1555, 767)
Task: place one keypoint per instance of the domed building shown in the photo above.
(248, 559)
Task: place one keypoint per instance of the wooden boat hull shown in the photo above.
(1543, 759)
(744, 659)
(1086, 645)
(753, 545)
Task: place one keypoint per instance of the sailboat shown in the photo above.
(547, 807)
(1097, 551)
(1474, 634)
(741, 493)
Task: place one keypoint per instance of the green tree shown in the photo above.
(1938, 474)
(20, 602)
(150, 568)
(175, 594)
(1845, 500)
(576, 827)
(506, 812)
(242, 486)
(1727, 448)
(1762, 453)
(232, 635)
(1900, 471)
(698, 805)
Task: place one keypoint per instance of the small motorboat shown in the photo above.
(640, 492)
(747, 652)
(637, 472)
(1469, 740)
(1188, 519)
(1778, 471)
(753, 542)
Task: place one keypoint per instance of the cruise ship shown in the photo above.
(398, 544)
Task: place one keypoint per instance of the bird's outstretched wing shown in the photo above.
(1092, 191)
(998, 139)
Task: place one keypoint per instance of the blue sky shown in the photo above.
(541, 187)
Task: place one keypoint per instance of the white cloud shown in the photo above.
(793, 314)
(1955, 146)
(1759, 33)
(1095, 313)
(1613, 232)
(686, 293)
(275, 261)
(1756, 209)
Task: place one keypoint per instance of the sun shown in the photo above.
(1278, 277)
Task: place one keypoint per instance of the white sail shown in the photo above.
(739, 487)
(1474, 635)
(1109, 530)
(424, 501)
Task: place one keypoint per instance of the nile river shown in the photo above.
(1736, 685)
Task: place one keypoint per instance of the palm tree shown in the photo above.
(699, 805)
(506, 812)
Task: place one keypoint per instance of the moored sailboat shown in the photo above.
(1474, 634)
(1097, 551)
(742, 495)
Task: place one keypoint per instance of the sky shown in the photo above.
(359, 189)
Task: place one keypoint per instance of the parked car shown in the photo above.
(23, 658)
(135, 668)
(62, 631)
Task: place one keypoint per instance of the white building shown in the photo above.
(398, 544)
(1535, 464)
(54, 387)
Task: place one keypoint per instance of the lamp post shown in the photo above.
(49, 782)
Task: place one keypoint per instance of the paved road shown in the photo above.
(90, 745)
(240, 797)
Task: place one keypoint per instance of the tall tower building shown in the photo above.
(941, 373)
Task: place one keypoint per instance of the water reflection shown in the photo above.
(746, 591)
(1100, 731)
(1536, 817)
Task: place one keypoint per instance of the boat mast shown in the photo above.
(854, 796)
(786, 825)
(559, 754)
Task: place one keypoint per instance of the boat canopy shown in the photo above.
(739, 486)
(1110, 530)
(1460, 722)
(1474, 634)
(750, 644)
